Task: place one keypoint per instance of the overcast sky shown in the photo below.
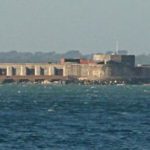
(85, 25)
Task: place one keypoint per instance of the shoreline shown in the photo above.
(119, 82)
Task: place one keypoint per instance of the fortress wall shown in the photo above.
(72, 70)
(143, 72)
(96, 72)
(10, 69)
(85, 71)
(121, 71)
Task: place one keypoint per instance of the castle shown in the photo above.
(101, 67)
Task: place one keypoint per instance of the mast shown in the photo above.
(117, 47)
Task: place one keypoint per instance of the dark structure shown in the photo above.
(69, 60)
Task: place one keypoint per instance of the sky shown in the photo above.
(86, 25)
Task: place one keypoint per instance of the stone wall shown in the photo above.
(80, 71)
(10, 69)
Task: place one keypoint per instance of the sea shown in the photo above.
(74, 117)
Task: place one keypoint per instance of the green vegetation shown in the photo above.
(49, 57)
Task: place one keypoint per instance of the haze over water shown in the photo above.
(73, 117)
(85, 25)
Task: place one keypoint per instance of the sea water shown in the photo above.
(73, 117)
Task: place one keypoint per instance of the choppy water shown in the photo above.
(72, 117)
